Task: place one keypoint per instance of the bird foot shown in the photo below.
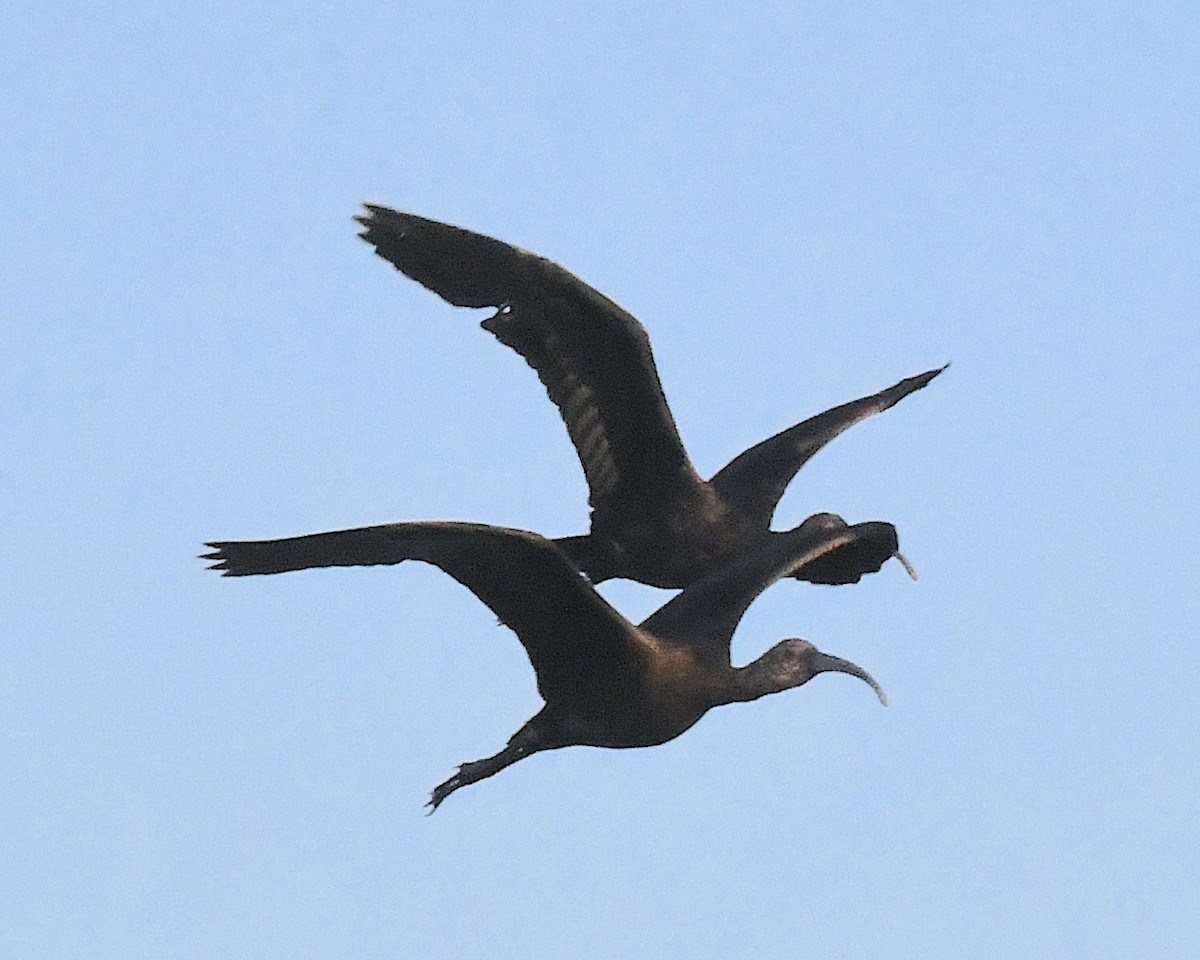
(523, 742)
(467, 773)
(443, 790)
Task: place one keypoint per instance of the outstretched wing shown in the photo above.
(593, 358)
(705, 615)
(574, 638)
(754, 481)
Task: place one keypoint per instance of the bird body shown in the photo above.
(684, 540)
(605, 681)
(653, 519)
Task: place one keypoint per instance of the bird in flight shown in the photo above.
(605, 681)
(653, 519)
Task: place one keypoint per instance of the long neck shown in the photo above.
(757, 679)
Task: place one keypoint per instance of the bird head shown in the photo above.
(793, 662)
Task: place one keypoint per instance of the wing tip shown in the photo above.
(371, 221)
(221, 560)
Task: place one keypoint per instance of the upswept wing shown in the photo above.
(574, 638)
(755, 480)
(593, 358)
(705, 615)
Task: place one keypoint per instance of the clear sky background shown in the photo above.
(803, 203)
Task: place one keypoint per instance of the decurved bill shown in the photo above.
(908, 567)
(827, 663)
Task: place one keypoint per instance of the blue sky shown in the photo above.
(803, 203)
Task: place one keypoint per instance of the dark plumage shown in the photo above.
(606, 682)
(653, 518)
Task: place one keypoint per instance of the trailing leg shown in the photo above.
(523, 743)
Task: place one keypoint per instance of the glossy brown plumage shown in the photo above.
(653, 518)
(606, 682)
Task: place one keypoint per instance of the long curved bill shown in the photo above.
(827, 663)
(908, 567)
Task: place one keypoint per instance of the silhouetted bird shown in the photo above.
(606, 682)
(653, 518)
